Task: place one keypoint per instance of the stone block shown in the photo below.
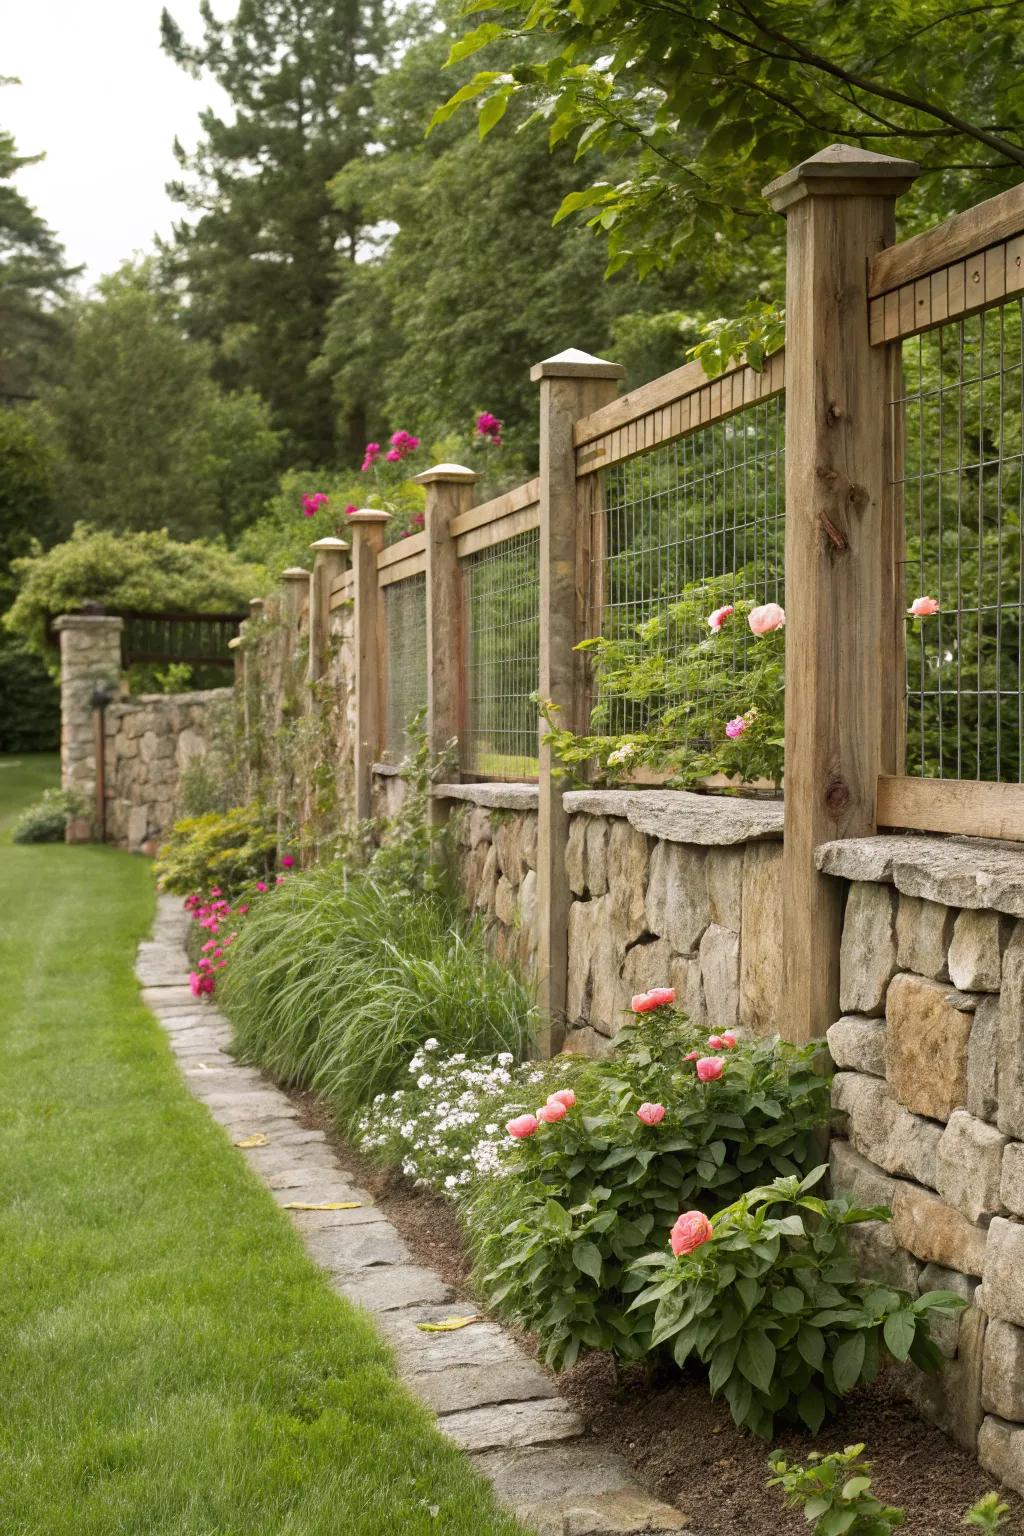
(1003, 1275)
(969, 1166)
(1001, 1451)
(720, 976)
(138, 825)
(945, 1330)
(879, 1256)
(505, 909)
(926, 1047)
(724, 876)
(488, 885)
(1002, 1384)
(760, 949)
(645, 966)
(923, 933)
(585, 1041)
(685, 975)
(510, 840)
(575, 855)
(935, 1232)
(596, 854)
(595, 951)
(508, 1425)
(867, 953)
(856, 1179)
(677, 899)
(479, 826)
(976, 951)
(527, 902)
(883, 1131)
(952, 1399)
(1011, 1182)
(983, 1061)
(628, 861)
(1010, 1114)
(474, 1386)
(858, 1044)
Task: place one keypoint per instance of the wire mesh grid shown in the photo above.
(958, 419)
(405, 611)
(502, 605)
(701, 518)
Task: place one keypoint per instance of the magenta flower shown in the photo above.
(371, 453)
(287, 862)
(312, 504)
(350, 509)
(402, 444)
(261, 885)
(735, 728)
(489, 427)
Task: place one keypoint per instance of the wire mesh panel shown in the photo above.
(502, 605)
(699, 519)
(405, 613)
(959, 419)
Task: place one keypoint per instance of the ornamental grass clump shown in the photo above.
(336, 981)
(767, 1297)
(673, 1120)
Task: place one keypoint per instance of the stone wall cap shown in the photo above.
(574, 364)
(88, 621)
(386, 770)
(130, 702)
(499, 797)
(977, 873)
(680, 816)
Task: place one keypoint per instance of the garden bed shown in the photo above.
(682, 1443)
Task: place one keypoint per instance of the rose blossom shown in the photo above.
(691, 1055)
(651, 1114)
(923, 607)
(728, 1040)
(735, 728)
(718, 618)
(709, 1068)
(523, 1125)
(657, 997)
(766, 618)
(564, 1096)
(552, 1111)
(715, 1042)
(691, 1229)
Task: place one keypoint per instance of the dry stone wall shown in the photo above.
(150, 740)
(929, 1099)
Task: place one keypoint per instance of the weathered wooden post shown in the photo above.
(367, 542)
(572, 384)
(844, 631)
(449, 489)
(330, 560)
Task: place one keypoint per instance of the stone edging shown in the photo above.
(955, 871)
(495, 1402)
(497, 797)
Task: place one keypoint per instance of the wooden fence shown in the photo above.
(802, 476)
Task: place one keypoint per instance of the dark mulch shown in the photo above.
(682, 1444)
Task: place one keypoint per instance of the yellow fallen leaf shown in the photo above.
(256, 1140)
(449, 1325)
(325, 1205)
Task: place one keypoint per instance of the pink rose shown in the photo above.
(552, 1111)
(923, 607)
(715, 1042)
(691, 1055)
(766, 618)
(728, 1040)
(709, 1068)
(651, 1114)
(523, 1125)
(691, 1229)
(194, 983)
(564, 1096)
(370, 454)
(735, 728)
(658, 997)
(718, 618)
(242, 910)
(261, 885)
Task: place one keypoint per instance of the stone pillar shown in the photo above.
(449, 492)
(330, 560)
(367, 526)
(844, 551)
(90, 658)
(572, 385)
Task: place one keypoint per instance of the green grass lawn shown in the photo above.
(170, 1362)
(22, 780)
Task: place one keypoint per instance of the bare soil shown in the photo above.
(682, 1444)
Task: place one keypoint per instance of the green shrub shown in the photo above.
(29, 701)
(771, 1304)
(835, 1493)
(555, 1239)
(336, 981)
(46, 821)
(225, 848)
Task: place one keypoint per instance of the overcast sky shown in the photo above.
(104, 102)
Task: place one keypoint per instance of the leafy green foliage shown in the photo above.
(336, 981)
(229, 849)
(690, 684)
(150, 572)
(757, 331)
(688, 109)
(989, 1514)
(29, 701)
(835, 1493)
(46, 821)
(583, 1199)
(771, 1304)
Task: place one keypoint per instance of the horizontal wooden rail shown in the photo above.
(955, 239)
(403, 549)
(414, 564)
(961, 806)
(960, 289)
(499, 531)
(493, 511)
(341, 591)
(651, 419)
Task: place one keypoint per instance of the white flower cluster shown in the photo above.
(449, 1129)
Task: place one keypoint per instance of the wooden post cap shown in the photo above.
(574, 364)
(367, 515)
(330, 544)
(842, 170)
(295, 573)
(458, 474)
(255, 606)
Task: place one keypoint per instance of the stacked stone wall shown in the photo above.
(150, 740)
(929, 1101)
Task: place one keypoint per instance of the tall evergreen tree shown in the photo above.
(260, 244)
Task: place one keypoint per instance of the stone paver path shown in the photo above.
(496, 1403)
